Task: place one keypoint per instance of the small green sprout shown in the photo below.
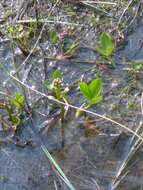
(18, 101)
(136, 67)
(54, 37)
(57, 74)
(56, 86)
(14, 108)
(92, 92)
(59, 92)
(15, 119)
(107, 45)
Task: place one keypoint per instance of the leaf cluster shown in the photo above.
(107, 46)
(92, 91)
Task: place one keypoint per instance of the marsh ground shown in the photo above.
(97, 154)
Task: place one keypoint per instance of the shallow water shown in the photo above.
(89, 160)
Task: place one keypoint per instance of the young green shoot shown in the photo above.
(14, 108)
(59, 93)
(107, 46)
(54, 37)
(92, 93)
(137, 67)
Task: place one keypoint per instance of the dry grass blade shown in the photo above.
(37, 41)
(133, 146)
(100, 2)
(95, 7)
(47, 21)
(55, 164)
(127, 7)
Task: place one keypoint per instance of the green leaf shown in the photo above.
(106, 40)
(96, 100)
(48, 85)
(11, 30)
(100, 51)
(18, 101)
(107, 45)
(15, 121)
(95, 87)
(85, 90)
(137, 66)
(20, 29)
(93, 91)
(54, 37)
(56, 74)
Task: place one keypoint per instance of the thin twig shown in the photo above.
(46, 21)
(131, 152)
(135, 15)
(97, 8)
(99, 2)
(37, 41)
(124, 11)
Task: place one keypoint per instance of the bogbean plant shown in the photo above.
(58, 90)
(56, 86)
(136, 66)
(92, 92)
(107, 47)
(14, 108)
(24, 37)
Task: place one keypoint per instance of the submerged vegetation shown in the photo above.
(71, 88)
(14, 108)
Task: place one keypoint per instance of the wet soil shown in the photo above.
(89, 158)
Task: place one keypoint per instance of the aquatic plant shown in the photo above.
(66, 45)
(18, 101)
(107, 45)
(137, 66)
(59, 92)
(56, 86)
(92, 93)
(14, 107)
(54, 37)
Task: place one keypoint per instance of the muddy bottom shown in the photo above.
(90, 161)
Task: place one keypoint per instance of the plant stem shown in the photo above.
(62, 125)
(18, 76)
